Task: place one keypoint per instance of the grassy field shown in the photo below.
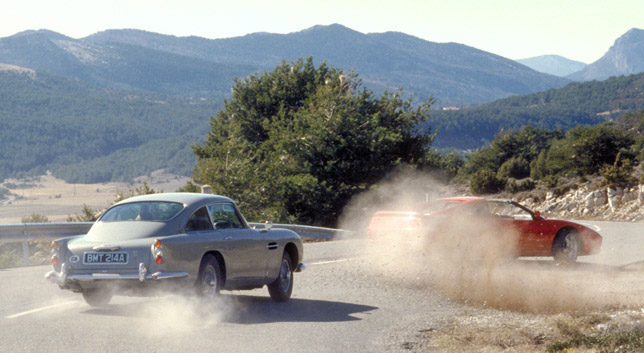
(56, 199)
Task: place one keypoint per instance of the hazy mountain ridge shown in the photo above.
(193, 66)
(625, 57)
(553, 64)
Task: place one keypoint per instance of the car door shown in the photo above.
(243, 248)
(530, 229)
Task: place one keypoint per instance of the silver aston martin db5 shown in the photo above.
(189, 240)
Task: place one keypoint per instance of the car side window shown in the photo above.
(199, 221)
(224, 216)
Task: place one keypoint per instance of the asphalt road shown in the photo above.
(339, 304)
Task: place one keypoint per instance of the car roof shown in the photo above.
(186, 198)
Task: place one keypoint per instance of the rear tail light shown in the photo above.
(157, 251)
(55, 251)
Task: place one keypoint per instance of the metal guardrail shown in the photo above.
(41, 231)
(308, 232)
(27, 232)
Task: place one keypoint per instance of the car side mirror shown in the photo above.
(537, 216)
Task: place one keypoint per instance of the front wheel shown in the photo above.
(566, 246)
(97, 297)
(281, 289)
(209, 278)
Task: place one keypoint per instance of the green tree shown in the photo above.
(485, 181)
(523, 145)
(585, 150)
(619, 173)
(296, 144)
(515, 167)
(538, 166)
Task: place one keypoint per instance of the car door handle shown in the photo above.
(228, 238)
(271, 246)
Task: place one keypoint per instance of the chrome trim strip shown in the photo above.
(116, 276)
(62, 277)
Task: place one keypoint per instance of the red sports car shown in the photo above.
(537, 236)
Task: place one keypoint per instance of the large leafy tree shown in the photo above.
(585, 150)
(295, 144)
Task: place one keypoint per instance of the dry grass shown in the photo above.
(610, 330)
(57, 199)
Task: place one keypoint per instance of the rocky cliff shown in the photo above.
(591, 202)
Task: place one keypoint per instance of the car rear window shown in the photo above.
(157, 211)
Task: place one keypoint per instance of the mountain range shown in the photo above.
(197, 67)
(122, 103)
(625, 57)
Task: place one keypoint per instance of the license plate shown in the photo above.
(105, 257)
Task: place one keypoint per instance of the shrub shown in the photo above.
(517, 168)
(551, 181)
(485, 181)
(514, 185)
(619, 173)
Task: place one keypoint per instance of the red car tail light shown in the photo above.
(54, 252)
(157, 251)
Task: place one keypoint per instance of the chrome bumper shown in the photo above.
(64, 277)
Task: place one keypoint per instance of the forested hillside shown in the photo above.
(585, 103)
(84, 134)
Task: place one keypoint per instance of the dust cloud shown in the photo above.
(470, 259)
(180, 313)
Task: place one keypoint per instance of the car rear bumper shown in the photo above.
(64, 277)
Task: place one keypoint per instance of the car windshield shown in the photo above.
(438, 205)
(508, 210)
(157, 211)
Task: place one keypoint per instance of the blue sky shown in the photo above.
(580, 30)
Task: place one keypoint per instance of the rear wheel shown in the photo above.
(567, 246)
(281, 289)
(209, 279)
(97, 297)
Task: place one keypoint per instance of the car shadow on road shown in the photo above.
(240, 309)
(257, 309)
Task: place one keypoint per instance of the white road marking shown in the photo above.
(74, 302)
(332, 261)
(39, 309)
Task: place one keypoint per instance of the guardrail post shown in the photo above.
(25, 252)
